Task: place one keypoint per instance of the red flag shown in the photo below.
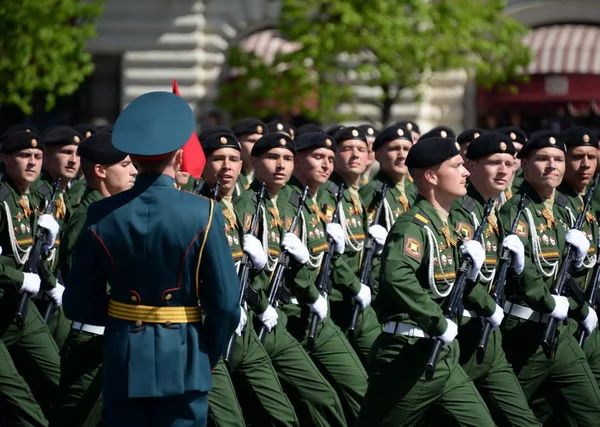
(194, 159)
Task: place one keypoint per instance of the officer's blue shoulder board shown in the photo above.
(469, 204)
(333, 188)
(561, 200)
(421, 218)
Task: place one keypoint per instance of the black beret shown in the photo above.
(542, 139)
(208, 131)
(334, 129)
(514, 133)
(17, 128)
(432, 151)
(105, 129)
(22, 140)
(391, 133)
(579, 137)
(309, 127)
(63, 135)
(279, 126)
(249, 126)
(439, 132)
(369, 130)
(220, 140)
(84, 128)
(410, 125)
(273, 140)
(490, 143)
(350, 132)
(315, 140)
(469, 135)
(98, 148)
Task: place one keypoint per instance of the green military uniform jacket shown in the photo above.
(75, 191)
(243, 182)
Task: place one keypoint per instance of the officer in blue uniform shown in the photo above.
(172, 303)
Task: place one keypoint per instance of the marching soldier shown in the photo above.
(173, 299)
(519, 139)
(251, 363)
(27, 386)
(543, 230)
(107, 172)
(273, 162)
(372, 165)
(247, 131)
(490, 164)
(419, 266)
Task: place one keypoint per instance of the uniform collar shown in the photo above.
(155, 180)
(428, 209)
(92, 194)
(531, 193)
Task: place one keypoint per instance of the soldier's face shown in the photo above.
(120, 176)
(314, 167)
(274, 167)
(492, 174)
(62, 161)
(517, 162)
(247, 142)
(580, 166)
(371, 158)
(450, 179)
(23, 166)
(545, 168)
(223, 165)
(352, 157)
(392, 157)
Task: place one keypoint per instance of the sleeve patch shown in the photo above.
(465, 230)
(412, 248)
(522, 229)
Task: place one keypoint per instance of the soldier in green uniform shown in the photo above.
(247, 131)
(27, 386)
(543, 230)
(251, 364)
(413, 127)
(347, 290)
(76, 187)
(107, 172)
(420, 261)
(372, 164)
(466, 137)
(273, 162)
(490, 163)
(332, 351)
(518, 138)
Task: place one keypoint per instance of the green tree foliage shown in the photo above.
(42, 48)
(386, 44)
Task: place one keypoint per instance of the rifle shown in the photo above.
(499, 282)
(323, 284)
(282, 265)
(35, 256)
(456, 295)
(370, 247)
(592, 295)
(244, 272)
(564, 272)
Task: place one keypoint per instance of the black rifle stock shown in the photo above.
(456, 294)
(499, 282)
(565, 270)
(322, 285)
(35, 257)
(282, 265)
(592, 296)
(370, 247)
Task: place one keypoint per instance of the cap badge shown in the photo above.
(282, 141)
(409, 126)
(586, 138)
(502, 146)
(27, 130)
(513, 136)
(34, 143)
(223, 140)
(456, 144)
(259, 129)
(76, 139)
(354, 132)
(476, 135)
(443, 134)
(552, 141)
(279, 126)
(370, 131)
(328, 142)
(400, 132)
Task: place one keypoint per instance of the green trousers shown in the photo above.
(334, 356)
(566, 379)
(79, 399)
(224, 410)
(315, 399)
(58, 324)
(398, 394)
(35, 357)
(494, 377)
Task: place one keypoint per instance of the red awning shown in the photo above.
(568, 49)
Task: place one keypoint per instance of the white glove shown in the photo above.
(473, 250)
(48, 222)
(294, 246)
(364, 296)
(269, 317)
(451, 333)
(243, 321)
(336, 232)
(0, 250)
(56, 293)
(379, 234)
(31, 283)
(514, 245)
(591, 321)
(561, 309)
(580, 242)
(255, 251)
(496, 318)
(319, 307)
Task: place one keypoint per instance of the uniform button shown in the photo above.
(138, 323)
(134, 298)
(168, 297)
(168, 323)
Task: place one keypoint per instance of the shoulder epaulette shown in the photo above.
(43, 190)
(295, 199)
(4, 192)
(379, 187)
(333, 188)
(561, 200)
(469, 204)
(421, 218)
